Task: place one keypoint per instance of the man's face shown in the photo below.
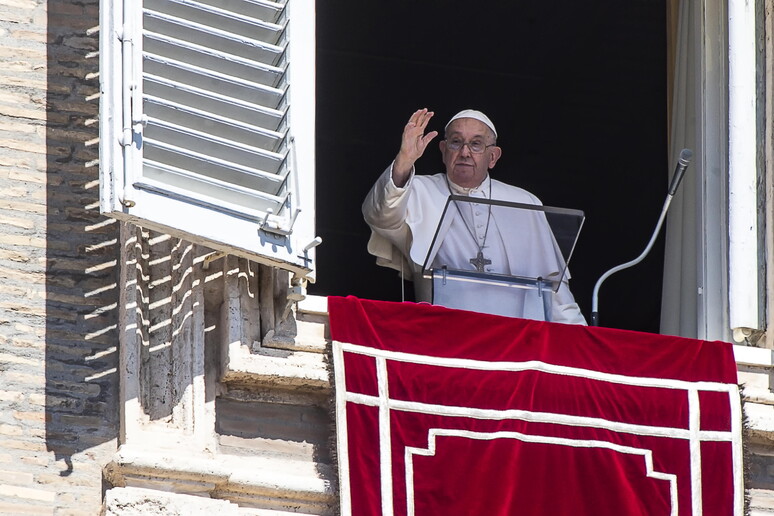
(464, 167)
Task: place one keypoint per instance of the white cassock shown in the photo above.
(404, 220)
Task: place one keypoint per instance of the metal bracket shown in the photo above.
(127, 203)
(305, 257)
(296, 293)
(211, 258)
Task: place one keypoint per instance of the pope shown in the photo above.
(404, 210)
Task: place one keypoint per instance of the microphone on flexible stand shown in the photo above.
(682, 165)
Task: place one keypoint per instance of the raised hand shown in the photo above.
(413, 145)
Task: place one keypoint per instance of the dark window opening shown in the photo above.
(577, 92)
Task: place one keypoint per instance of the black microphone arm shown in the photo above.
(682, 165)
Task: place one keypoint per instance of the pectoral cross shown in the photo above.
(479, 261)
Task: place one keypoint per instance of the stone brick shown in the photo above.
(20, 4)
(75, 107)
(23, 145)
(17, 16)
(16, 379)
(64, 8)
(29, 35)
(15, 477)
(19, 309)
(22, 162)
(29, 76)
(78, 214)
(27, 493)
(24, 509)
(39, 417)
(37, 399)
(23, 240)
(70, 135)
(21, 275)
(12, 127)
(10, 430)
(20, 444)
(35, 460)
(15, 396)
(80, 42)
(48, 479)
(16, 96)
(25, 328)
(76, 388)
(20, 342)
(58, 315)
(8, 358)
(25, 223)
(13, 256)
(75, 299)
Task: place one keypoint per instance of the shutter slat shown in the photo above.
(181, 115)
(186, 180)
(213, 59)
(255, 113)
(206, 164)
(247, 206)
(263, 9)
(215, 146)
(212, 80)
(232, 21)
(213, 37)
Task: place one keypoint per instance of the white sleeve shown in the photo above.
(385, 210)
(386, 205)
(564, 308)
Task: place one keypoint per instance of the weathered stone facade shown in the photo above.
(259, 437)
(209, 406)
(59, 301)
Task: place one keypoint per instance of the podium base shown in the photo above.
(508, 296)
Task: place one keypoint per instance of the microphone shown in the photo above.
(682, 164)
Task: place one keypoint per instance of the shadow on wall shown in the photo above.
(81, 250)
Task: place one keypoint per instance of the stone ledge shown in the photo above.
(256, 481)
(294, 357)
(762, 502)
(754, 366)
(310, 335)
(317, 305)
(309, 331)
(276, 367)
(752, 356)
(134, 501)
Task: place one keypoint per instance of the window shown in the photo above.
(207, 123)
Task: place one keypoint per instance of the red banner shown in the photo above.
(446, 412)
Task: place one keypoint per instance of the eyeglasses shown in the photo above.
(476, 146)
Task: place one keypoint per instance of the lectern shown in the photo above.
(538, 242)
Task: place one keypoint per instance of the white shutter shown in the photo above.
(207, 123)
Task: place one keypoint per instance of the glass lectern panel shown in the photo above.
(511, 267)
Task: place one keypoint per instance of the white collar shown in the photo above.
(476, 191)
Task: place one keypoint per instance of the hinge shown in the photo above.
(132, 114)
(284, 226)
(127, 80)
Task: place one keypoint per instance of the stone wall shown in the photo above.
(58, 301)
(260, 435)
